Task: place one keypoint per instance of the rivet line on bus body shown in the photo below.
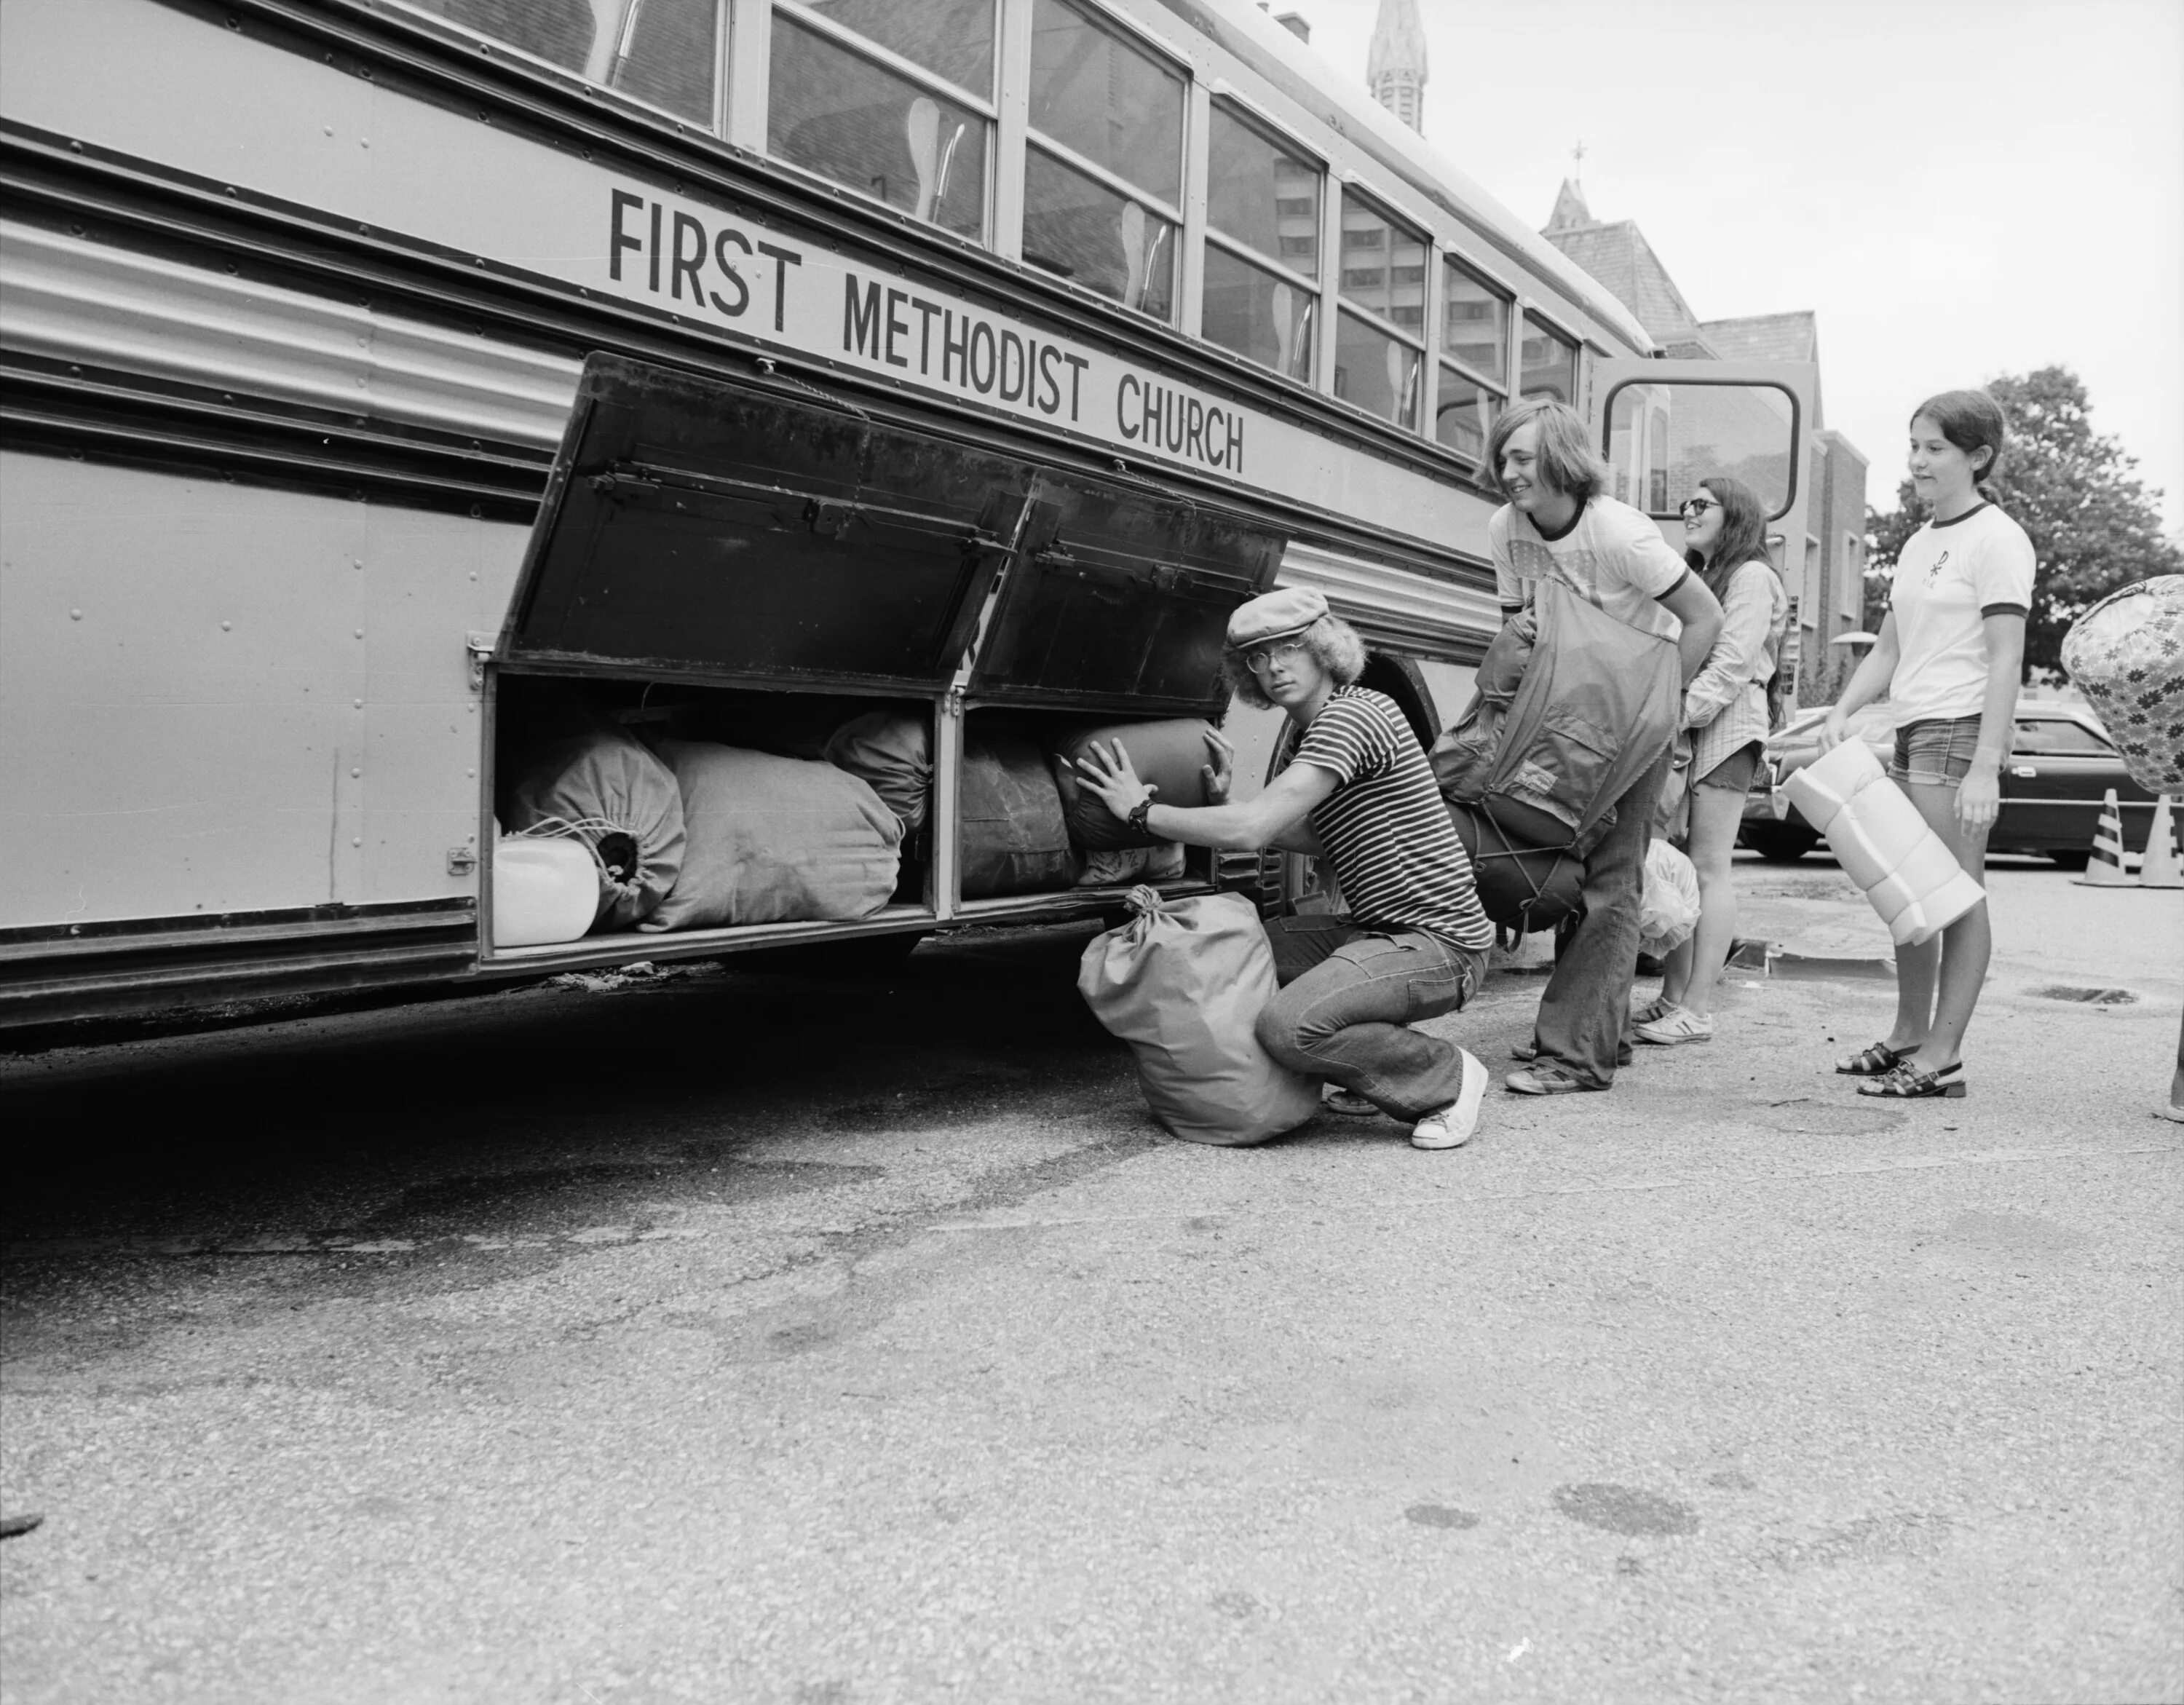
(356, 775)
(360, 704)
(359, 633)
(226, 626)
(77, 615)
(356, 840)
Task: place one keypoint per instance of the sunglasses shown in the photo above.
(1693, 508)
(1265, 656)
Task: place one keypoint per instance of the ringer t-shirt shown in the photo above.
(1610, 555)
(1950, 576)
(1394, 851)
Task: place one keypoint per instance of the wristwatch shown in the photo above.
(1139, 813)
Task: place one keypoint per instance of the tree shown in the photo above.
(2093, 527)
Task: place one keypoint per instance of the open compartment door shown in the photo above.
(1119, 599)
(1665, 426)
(699, 530)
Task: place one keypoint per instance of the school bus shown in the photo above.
(368, 358)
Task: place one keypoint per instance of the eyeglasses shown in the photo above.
(1693, 508)
(1261, 661)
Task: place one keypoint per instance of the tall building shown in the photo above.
(1396, 66)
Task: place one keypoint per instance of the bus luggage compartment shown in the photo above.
(742, 582)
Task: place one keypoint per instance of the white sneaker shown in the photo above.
(1451, 1127)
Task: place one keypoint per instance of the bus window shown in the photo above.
(1379, 360)
(660, 51)
(1664, 439)
(1474, 342)
(1261, 246)
(1550, 364)
(1103, 174)
(915, 144)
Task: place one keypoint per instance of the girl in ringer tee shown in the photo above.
(1950, 656)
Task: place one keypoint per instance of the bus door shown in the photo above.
(1665, 425)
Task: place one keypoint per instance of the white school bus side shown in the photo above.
(307, 307)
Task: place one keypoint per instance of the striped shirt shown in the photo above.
(1384, 827)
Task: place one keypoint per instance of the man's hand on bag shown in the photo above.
(1220, 774)
(1109, 774)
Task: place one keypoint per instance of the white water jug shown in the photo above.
(544, 889)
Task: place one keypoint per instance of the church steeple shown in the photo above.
(1395, 67)
(1570, 210)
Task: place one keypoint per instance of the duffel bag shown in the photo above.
(776, 840)
(891, 752)
(1169, 755)
(1013, 836)
(599, 785)
(1522, 886)
(1184, 984)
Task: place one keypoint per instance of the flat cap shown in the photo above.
(1275, 616)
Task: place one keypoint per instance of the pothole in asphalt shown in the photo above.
(1625, 1509)
(1822, 1119)
(2085, 996)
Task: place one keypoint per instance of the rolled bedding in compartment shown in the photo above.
(1170, 754)
(891, 752)
(1883, 845)
(1013, 836)
(590, 782)
(776, 840)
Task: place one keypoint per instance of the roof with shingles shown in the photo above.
(1619, 256)
(1766, 337)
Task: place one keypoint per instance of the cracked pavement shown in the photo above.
(758, 1337)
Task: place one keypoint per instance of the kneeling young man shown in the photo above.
(1358, 793)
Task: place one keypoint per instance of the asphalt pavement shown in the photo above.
(732, 1337)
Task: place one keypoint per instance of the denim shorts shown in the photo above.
(1937, 753)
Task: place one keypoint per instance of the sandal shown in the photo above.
(1907, 1083)
(1876, 1061)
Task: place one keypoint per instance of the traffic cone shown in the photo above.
(2105, 868)
(2160, 868)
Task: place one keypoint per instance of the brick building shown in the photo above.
(1826, 580)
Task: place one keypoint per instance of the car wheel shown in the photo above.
(1779, 844)
(2071, 861)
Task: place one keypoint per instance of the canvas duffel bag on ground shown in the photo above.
(1170, 756)
(1184, 984)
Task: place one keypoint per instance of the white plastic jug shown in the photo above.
(1882, 843)
(544, 889)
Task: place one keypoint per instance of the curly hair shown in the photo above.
(1333, 644)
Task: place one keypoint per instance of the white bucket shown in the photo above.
(544, 889)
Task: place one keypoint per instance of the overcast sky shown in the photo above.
(1959, 187)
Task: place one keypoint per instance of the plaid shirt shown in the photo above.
(1726, 705)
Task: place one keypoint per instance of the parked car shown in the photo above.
(2061, 765)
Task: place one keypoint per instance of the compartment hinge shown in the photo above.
(621, 485)
(480, 648)
(830, 517)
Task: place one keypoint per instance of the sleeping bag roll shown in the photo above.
(1170, 754)
(1525, 888)
(776, 840)
(593, 782)
(1014, 839)
(891, 752)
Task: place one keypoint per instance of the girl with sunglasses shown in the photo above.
(1725, 709)
(1950, 657)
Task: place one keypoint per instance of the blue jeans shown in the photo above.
(1587, 1003)
(1348, 995)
